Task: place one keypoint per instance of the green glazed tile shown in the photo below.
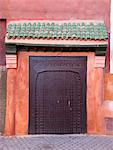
(54, 30)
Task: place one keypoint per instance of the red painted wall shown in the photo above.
(56, 9)
(2, 39)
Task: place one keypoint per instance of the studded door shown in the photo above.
(57, 95)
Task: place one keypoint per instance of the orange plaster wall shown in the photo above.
(99, 99)
(10, 113)
(22, 96)
(108, 87)
(17, 115)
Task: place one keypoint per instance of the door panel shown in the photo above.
(57, 95)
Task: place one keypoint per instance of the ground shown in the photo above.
(56, 142)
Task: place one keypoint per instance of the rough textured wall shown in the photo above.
(2, 74)
(56, 9)
(2, 96)
(2, 41)
(108, 87)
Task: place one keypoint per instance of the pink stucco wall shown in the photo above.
(55, 9)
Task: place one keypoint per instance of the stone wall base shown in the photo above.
(2, 97)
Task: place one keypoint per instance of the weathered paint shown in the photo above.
(18, 100)
(52, 9)
(10, 108)
(108, 83)
(2, 74)
(99, 99)
(2, 41)
(2, 96)
(111, 37)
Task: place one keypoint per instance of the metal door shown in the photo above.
(57, 95)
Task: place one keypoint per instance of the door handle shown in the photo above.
(69, 103)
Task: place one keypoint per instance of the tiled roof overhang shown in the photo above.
(77, 33)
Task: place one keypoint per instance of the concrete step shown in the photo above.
(56, 142)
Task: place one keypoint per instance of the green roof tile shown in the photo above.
(83, 30)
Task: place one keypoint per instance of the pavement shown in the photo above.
(56, 142)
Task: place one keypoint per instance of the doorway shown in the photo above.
(57, 98)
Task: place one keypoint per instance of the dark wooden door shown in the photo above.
(57, 95)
